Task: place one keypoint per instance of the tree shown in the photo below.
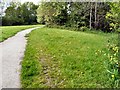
(95, 14)
(51, 12)
(18, 14)
(113, 16)
(10, 13)
(28, 10)
(78, 14)
(75, 14)
(91, 15)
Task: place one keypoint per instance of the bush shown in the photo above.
(83, 28)
(112, 64)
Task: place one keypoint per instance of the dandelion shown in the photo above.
(117, 51)
(113, 62)
(96, 53)
(105, 54)
(41, 50)
(115, 54)
(111, 58)
(113, 76)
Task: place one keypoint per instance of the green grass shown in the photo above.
(8, 31)
(65, 59)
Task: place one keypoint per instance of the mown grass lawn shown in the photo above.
(8, 31)
(65, 59)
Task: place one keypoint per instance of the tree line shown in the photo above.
(103, 16)
(20, 14)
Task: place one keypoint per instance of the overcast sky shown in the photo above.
(34, 1)
(22, 1)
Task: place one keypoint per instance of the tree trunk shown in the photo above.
(95, 23)
(90, 21)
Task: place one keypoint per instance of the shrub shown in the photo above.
(83, 28)
(112, 64)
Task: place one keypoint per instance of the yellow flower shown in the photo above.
(113, 76)
(114, 54)
(96, 53)
(111, 58)
(117, 50)
(105, 54)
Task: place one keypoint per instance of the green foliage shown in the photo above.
(18, 14)
(112, 64)
(74, 14)
(29, 12)
(114, 15)
(83, 28)
(51, 11)
(78, 14)
(10, 14)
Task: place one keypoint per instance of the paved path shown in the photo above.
(12, 52)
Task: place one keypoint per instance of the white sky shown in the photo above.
(7, 2)
(22, 1)
(34, 1)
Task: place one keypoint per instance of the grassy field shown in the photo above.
(65, 59)
(8, 31)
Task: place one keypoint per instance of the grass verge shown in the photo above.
(8, 31)
(57, 58)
